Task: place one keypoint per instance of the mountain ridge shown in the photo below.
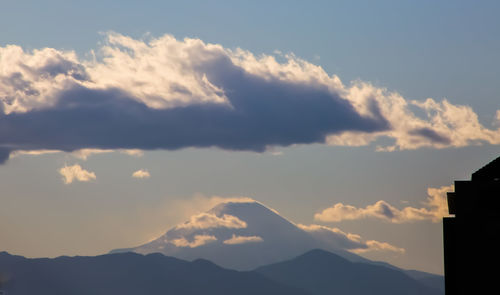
(320, 272)
(129, 273)
(315, 272)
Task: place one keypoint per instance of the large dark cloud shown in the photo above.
(262, 112)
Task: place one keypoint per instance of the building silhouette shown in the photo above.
(471, 250)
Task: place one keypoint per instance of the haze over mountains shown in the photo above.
(322, 273)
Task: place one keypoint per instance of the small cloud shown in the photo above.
(235, 240)
(132, 152)
(32, 153)
(76, 172)
(199, 240)
(185, 208)
(208, 220)
(435, 208)
(141, 173)
(83, 154)
(379, 247)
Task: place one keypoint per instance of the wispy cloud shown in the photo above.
(435, 207)
(372, 245)
(141, 173)
(198, 240)
(82, 154)
(348, 241)
(76, 172)
(171, 94)
(208, 220)
(235, 240)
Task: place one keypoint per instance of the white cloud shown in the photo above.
(208, 220)
(234, 240)
(76, 172)
(351, 242)
(141, 173)
(435, 207)
(377, 246)
(199, 240)
(31, 80)
(164, 72)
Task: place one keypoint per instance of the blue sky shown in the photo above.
(446, 50)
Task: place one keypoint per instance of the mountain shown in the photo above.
(241, 236)
(129, 273)
(320, 272)
(247, 235)
(430, 280)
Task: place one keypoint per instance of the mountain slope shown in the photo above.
(320, 272)
(129, 273)
(430, 280)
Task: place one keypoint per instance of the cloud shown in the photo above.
(141, 173)
(32, 153)
(435, 207)
(442, 124)
(373, 245)
(82, 154)
(165, 93)
(235, 240)
(132, 152)
(348, 241)
(208, 220)
(199, 240)
(76, 172)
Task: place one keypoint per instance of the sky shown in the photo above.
(121, 119)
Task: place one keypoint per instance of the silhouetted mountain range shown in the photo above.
(320, 272)
(316, 272)
(130, 273)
